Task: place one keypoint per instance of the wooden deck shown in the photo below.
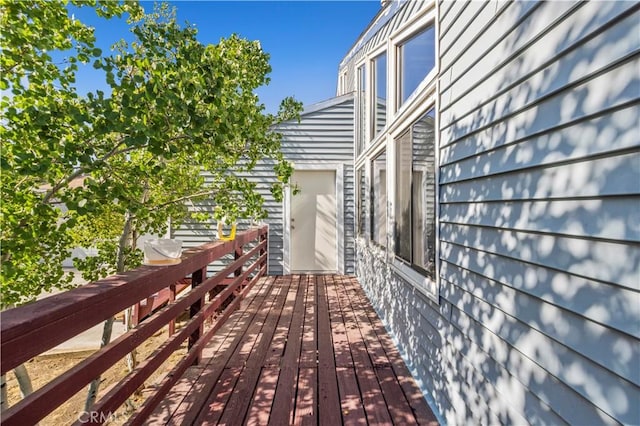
(301, 349)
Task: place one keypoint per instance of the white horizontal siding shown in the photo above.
(539, 150)
(325, 134)
(540, 190)
(573, 218)
(613, 263)
(572, 61)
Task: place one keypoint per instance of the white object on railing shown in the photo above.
(162, 251)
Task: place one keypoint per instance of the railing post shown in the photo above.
(264, 237)
(237, 255)
(172, 298)
(196, 279)
(136, 314)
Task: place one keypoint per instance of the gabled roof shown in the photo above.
(385, 14)
(327, 103)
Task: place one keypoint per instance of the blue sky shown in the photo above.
(306, 39)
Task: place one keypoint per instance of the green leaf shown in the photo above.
(175, 108)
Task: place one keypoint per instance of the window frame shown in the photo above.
(427, 19)
(424, 98)
(398, 44)
(373, 94)
(361, 202)
(361, 109)
(373, 200)
(409, 130)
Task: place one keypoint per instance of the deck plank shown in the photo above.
(309, 350)
(360, 343)
(339, 327)
(262, 401)
(328, 401)
(359, 309)
(303, 350)
(421, 410)
(307, 385)
(284, 400)
(357, 345)
(282, 331)
(397, 404)
(223, 390)
(261, 333)
(186, 394)
(307, 397)
(375, 406)
(216, 363)
(350, 399)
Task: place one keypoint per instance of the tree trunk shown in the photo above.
(92, 392)
(23, 380)
(128, 315)
(131, 356)
(4, 402)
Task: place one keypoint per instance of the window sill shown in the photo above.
(423, 284)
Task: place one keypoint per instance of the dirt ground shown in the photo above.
(43, 369)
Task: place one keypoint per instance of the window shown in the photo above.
(416, 195)
(360, 109)
(416, 58)
(379, 199)
(343, 84)
(361, 201)
(379, 95)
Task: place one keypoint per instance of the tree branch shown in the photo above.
(81, 170)
(185, 198)
(54, 190)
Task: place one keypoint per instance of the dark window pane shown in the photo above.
(424, 193)
(417, 58)
(361, 103)
(362, 192)
(403, 197)
(416, 195)
(379, 98)
(379, 199)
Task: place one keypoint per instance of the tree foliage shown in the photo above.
(75, 167)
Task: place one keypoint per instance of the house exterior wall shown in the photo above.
(536, 317)
(324, 135)
(194, 234)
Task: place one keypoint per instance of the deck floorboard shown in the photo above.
(303, 350)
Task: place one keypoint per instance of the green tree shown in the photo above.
(123, 163)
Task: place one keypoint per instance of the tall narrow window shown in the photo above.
(344, 83)
(379, 95)
(404, 234)
(415, 228)
(379, 199)
(361, 201)
(361, 107)
(417, 58)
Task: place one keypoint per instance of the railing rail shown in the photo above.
(30, 330)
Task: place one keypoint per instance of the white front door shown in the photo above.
(314, 222)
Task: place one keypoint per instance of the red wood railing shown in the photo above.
(30, 330)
